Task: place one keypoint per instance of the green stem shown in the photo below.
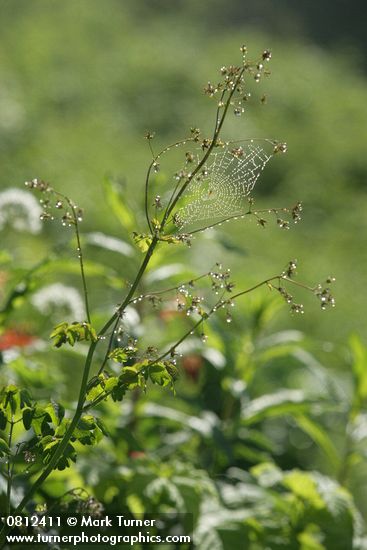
(219, 304)
(79, 410)
(213, 143)
(83, 387)
(81, 263)
(9, 470)
(80, 253)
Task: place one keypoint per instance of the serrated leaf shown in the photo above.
(159, 375)
(75, 332)
(94, 393)
(119, 355)
(129, 376)
(110, 383)
(142, 241)
(87, 422)
(170, 239)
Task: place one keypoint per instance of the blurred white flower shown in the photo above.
(110, 243)
(20, 209)
(64, 298)
(131, 321)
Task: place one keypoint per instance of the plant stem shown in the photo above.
(83, 387)
(9, 469)
(79, 410)
(80, 257)
(79, 250)
(213, 143)
(214, 308)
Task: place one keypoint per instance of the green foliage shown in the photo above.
(64, 333)
(4, 448)
(257, 415)
(142, 241)
(359, 363)
(117, 203)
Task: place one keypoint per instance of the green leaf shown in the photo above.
(110, 383)
(100, 385)
(3, 419)
(56, 412)
(170, 239)
(129, 377)
(63, 426)
(302, 485)
(320, 437)
(68, 455)
(11, 398)
(102, 427)
(267, 474)
(118, 393)
(25, 398)
(108, 242)
(310, 538)
(4, 448)
(359, 370)
(64, 333)
(28, 415)
(142, 241)
(87, 422)
(119, 355)
(5, 257)
(40, 421)
(47, 442)
(118, 205)
(159, 375)
(95, 392)
(135, 504)
(172, 370)
(275, 404)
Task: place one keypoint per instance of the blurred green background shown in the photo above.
(81, 83)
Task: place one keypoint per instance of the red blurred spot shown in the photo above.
(12, 338)
(192, 364)
(136, 454)
(168, 314)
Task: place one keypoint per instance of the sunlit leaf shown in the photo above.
(118, 205)
(320, 437)
(275, 404)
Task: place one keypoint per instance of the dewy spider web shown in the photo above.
(218, 191)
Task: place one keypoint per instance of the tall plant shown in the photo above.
(212, 186)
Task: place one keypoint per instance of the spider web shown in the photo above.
(219, 190)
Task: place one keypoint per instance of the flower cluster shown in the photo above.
(220, 279)
(324, 294)
(234, 80)
(70, 213)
